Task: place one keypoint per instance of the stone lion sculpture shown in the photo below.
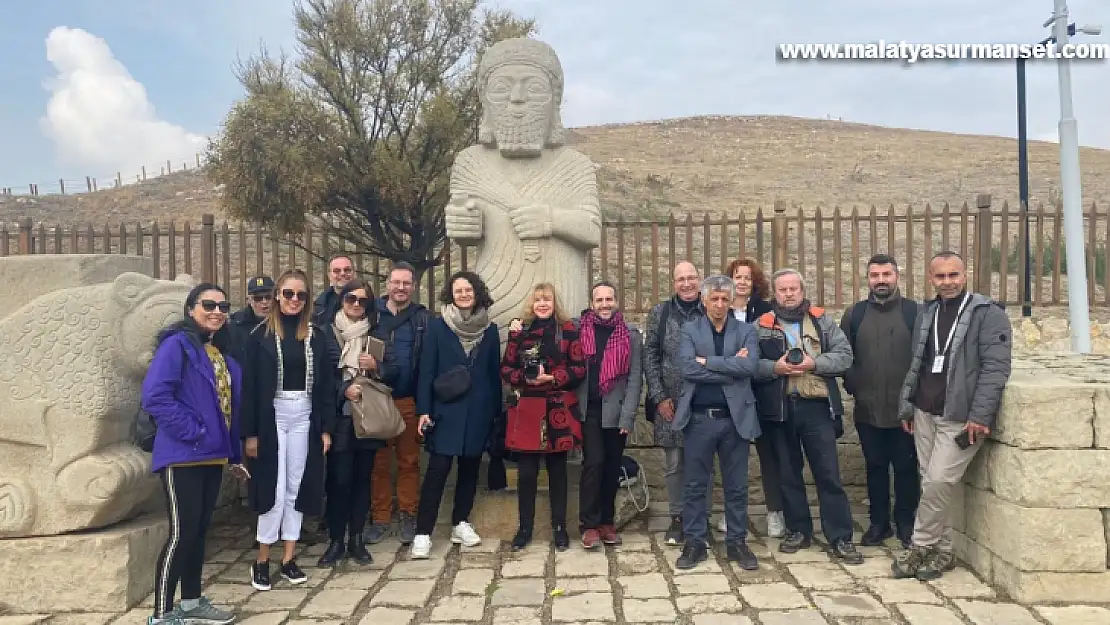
(70, 377)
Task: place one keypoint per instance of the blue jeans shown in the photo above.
(703, 437)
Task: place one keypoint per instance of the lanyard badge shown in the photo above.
(939, 352)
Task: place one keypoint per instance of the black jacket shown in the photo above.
(240, 324)
(344, 439)
(419, 320)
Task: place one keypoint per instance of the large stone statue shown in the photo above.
(72, 366)
(528, 202)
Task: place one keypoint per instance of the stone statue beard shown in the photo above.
(521, 136)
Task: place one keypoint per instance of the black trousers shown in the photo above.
(769, 467)
(191, 494)
(348, 491)
(882, 449)
(528, 474)
(431, 491)
(601, 468)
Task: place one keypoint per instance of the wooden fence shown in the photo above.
(830, 247)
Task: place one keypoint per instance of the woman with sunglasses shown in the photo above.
(351, 459)
(288, 419)
(192, 392)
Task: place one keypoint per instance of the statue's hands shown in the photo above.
(463, 217)
(532, 221)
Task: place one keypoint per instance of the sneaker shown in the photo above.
(875, 535)
(776, 524)
(377, 533)
(560, 538)
(692, 554)
(846, 552)
(591, 539)
(333, 555)
(260, 575)
(609, 535)
(907, 563)
(293, 573)
(522, 539)
(937, 563)
(421, 547)
(408, 528)
(173, 617)
(794, 542)
(674, 532)
(464, 534)
(207, 614)
(743, 555)
(722, 526)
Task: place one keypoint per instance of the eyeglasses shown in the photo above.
(341, 270)
(297, 295)
(262, 297)
(209, 305)
(353, 300)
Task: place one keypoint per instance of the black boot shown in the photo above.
(333, 555)
(357, 550)
(560, 537)
(522, 538)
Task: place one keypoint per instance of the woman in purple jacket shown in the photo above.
(192, 393)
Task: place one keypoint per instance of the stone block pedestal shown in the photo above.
(105, 570)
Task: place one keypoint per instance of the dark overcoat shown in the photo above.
(259, 388)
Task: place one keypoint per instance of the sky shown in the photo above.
(100, 86)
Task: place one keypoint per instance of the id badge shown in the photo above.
(938, 364)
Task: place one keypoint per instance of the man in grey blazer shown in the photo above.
(718, 356)
(608, 399)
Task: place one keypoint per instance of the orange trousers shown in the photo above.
(406, 448)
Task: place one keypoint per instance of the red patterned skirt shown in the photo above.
(544, 423)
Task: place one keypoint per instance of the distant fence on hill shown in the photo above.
(830, 247)
(63, 186)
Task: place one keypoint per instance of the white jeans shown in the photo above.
(291, 414)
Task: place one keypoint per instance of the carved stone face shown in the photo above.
(519, 101)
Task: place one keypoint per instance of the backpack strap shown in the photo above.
(859, 309)
(909, 312)
(664, 317)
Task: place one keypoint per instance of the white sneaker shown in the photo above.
(421, 547)
(464, 534)
(776, 524)
(721, 526)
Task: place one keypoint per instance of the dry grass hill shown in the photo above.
(715, 164)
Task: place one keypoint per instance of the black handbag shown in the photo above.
(452, 385)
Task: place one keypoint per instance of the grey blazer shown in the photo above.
(618, 407)
(733, 372)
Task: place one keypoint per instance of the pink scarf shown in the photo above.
(616, 357)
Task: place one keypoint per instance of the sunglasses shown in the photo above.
(354, 299)
(261, 297)
(209, 305)
(297, 295)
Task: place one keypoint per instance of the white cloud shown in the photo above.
(99, 116)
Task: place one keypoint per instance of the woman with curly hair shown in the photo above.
(543, 364)
(458, 395)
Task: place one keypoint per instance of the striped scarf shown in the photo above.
(617, 355)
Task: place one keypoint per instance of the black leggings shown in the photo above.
(348, 490)
(528, 470)
(431, 491)
(191, 494)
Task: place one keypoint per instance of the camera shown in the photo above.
(531, 361)
(795, 356)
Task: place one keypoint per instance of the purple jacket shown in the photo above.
(179, 392)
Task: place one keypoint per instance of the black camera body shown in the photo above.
(531, 360)
(795, 356)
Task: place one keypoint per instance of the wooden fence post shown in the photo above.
(26, 236)
(208, 248)
(778, 236)
(983, 224)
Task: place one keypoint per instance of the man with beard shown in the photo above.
(260, 296)
(802, 351)
(879, 329)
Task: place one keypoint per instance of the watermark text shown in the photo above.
(913, 52)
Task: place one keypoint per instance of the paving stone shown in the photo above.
(408, 593)
(468, 609)
(646, 586)
(387, 616)
(892, 590)
(418, 569)
(792, 617)
(1074, 615)
(516, 616)
(581, 563)
(87, 618)
(591, 606)
(712, 618)
(838, 604)
(767, 572)
(635, 541)
(962, 584)
(25, 619)
(480, 561)
(277, 599)
(701, 584)
(269, 618)
(354, 580)
(227, 594)
(648, 611)
(987, 613)
(333, 603)
(137, 616)
(777, 596)
(636, 562)
(525, 567)
(517, 592)
(708, 566)
(827, 576)
(871, 567)
(472, 582)
(571, 585)
(486, 546)
(813, 554)
(699, 604)
(919, 614)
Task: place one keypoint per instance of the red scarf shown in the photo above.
(617, 355)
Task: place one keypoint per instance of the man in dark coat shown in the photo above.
(260, 296)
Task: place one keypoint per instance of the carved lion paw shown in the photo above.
(463, 218)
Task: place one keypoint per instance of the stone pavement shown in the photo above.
(633, 583)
